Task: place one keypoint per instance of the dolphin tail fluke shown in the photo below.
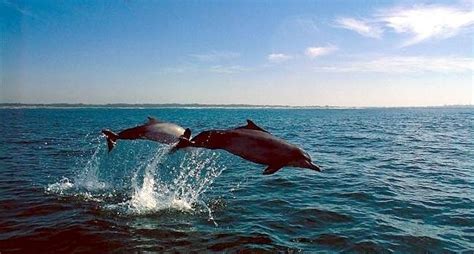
(111, 138)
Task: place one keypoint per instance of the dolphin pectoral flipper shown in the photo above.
(271, 169)
(252, 126)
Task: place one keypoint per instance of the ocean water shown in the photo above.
(394, 180)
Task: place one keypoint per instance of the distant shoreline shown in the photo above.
(197, 106)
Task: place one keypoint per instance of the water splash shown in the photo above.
(89, 177)
(60, 187)
(159, 181)
(145, 198)
(86, 181)
(190, 179)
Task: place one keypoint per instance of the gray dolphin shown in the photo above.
(166, 133)
(251, 143)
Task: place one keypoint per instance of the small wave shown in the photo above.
(26, 142)
(419, 243)
(356, 195)
(367, 247)
(326, 239)
(39, 210)
(280, 182)
(70, 239)
(235, 243)
(321, 216)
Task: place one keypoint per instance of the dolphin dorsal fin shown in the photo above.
(152, 120)
(252, 126)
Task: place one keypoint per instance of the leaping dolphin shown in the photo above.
(251, 143)
(166, 133)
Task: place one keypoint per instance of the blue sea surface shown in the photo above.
(394, 180)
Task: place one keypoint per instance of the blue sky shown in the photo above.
(343, 53)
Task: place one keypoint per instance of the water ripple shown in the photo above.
(394, 180)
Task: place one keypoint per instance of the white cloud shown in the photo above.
(314, 52)
(175, 70)
(404, 64)
(220, 69)
(420, 22)
(427, 21)
(216, 56)
(360, 26)
(224, 69)
(278, 57)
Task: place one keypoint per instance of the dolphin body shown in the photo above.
(166, 133)
(252, 143)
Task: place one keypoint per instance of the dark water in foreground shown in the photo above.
(395, 180)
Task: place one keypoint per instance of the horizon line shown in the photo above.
(211, 105)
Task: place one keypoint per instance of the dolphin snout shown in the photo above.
(314, 167)
(182, 143)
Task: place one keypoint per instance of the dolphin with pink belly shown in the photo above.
(154, 129)
(252, 143)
